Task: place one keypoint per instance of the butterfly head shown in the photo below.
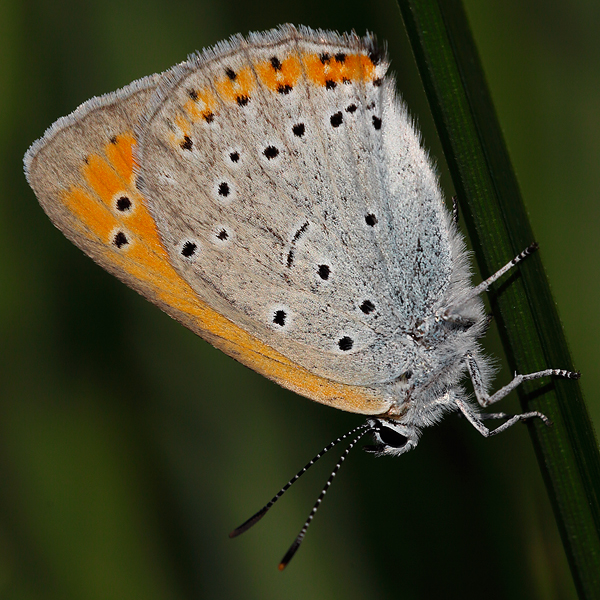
(391, 438)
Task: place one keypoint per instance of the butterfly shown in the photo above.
(273, 196)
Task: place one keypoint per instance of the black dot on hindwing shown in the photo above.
(224, 189)
(275, 63)
(223, 235)
(324, 271)
(242, 100)
(351, 108)
(371, 220)
(367, 307)
(337, 119)
(279, 317)
(345, 343)
(234, 156)
(123, 204)
(377, 123)
(298, 129)
(230, 73)
(284, 89)
(330, 84)
(187, 143)
(271, 152)
(188, 249)
(120, 240)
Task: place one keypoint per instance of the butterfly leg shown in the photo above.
(455, 213)
(484, 285)
(484, 399)
(475, 419)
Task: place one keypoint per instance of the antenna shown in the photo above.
(299, 539)
(361, 430)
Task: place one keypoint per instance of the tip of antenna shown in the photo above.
(290, 553)
(251, 521)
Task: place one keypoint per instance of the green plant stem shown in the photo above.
(523, 306)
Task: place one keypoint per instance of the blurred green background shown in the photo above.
(129, 448)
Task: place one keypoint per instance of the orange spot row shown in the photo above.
(240, 86)
(287, 73)
(354, 67)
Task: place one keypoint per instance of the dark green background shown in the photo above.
(129, 448)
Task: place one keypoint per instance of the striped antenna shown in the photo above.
(263, 511)
(299, 539)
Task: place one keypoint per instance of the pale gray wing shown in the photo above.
(298, 202)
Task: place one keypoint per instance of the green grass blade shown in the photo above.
(523, 306)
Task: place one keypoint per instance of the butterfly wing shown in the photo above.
(290, 154)
(82, 171)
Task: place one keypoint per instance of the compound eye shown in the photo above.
(392, 438)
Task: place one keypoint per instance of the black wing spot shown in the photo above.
(337, 119)
(113, 140)
(377, 123)
(208, 117)
(234, 156)
(345, 343)
(193, 94)
(242, 100)
(324, 58)
(276, 63)
(224, 189)
(330, 84)
(230, 73)
(189, 249)
(352, 108)
(284, 89)
(371, 220)
(324, 272)
(271, 152)
(367, 307)
(120, 240)
(223, 235)
(123, 204)
(299, 129)
(187, 143)
(340, 57)
(279, 317)
(377, 82)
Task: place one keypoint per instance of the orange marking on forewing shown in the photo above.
(140, 220)
(90, 212)
(288, 74)
(102, 178)
(242, 85)
(120, 155)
